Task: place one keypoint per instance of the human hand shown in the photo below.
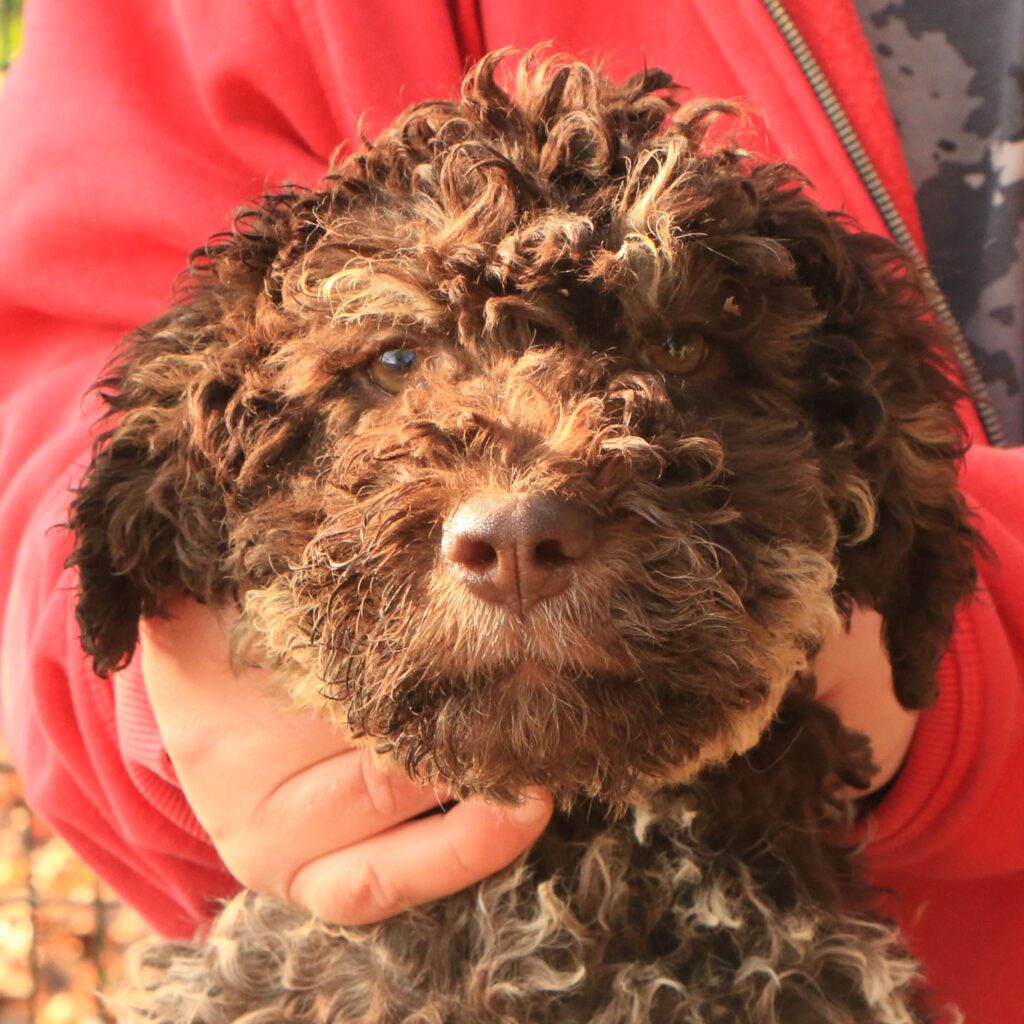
(854, 678)
(292, 807)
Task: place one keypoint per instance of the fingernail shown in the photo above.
(535, 807)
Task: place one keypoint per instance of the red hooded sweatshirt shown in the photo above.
(131, 130)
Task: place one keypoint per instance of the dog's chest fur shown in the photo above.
(672, 913)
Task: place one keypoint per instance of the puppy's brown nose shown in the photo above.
(517, 550)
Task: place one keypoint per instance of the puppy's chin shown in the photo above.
(604, 736)
(612, 734)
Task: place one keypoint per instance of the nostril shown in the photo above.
(551, 553)
(475, 555)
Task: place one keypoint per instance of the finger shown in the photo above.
(420, 860)
(337, 802)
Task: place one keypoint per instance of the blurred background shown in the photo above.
(62, 932)
(10, 31)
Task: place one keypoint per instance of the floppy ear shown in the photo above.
(151, 513)
(879, 383)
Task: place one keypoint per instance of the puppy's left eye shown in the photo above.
(394, 369)
(679, 352)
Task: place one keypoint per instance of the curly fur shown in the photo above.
(534, 248)
(683, 913)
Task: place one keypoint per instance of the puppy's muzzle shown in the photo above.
(517, 550)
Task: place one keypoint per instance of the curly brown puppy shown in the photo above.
(546, 439)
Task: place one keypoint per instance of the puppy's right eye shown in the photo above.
(679, 353)
(394, 369)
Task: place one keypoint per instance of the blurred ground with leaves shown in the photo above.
(63, 933)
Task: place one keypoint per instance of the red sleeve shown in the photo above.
(957, 809)
(948, 849)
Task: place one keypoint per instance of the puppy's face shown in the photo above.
(534, 440)
(578, 557)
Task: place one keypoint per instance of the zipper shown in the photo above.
(892, 217)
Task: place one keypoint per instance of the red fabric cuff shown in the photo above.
(145, 759)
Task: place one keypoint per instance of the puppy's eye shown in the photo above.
(394, 368)
(679, 352)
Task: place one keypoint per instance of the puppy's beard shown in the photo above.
(604, 698)
(606, 736)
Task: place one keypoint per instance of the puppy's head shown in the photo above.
(544, 439)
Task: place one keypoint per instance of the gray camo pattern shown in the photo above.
(954, 74)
